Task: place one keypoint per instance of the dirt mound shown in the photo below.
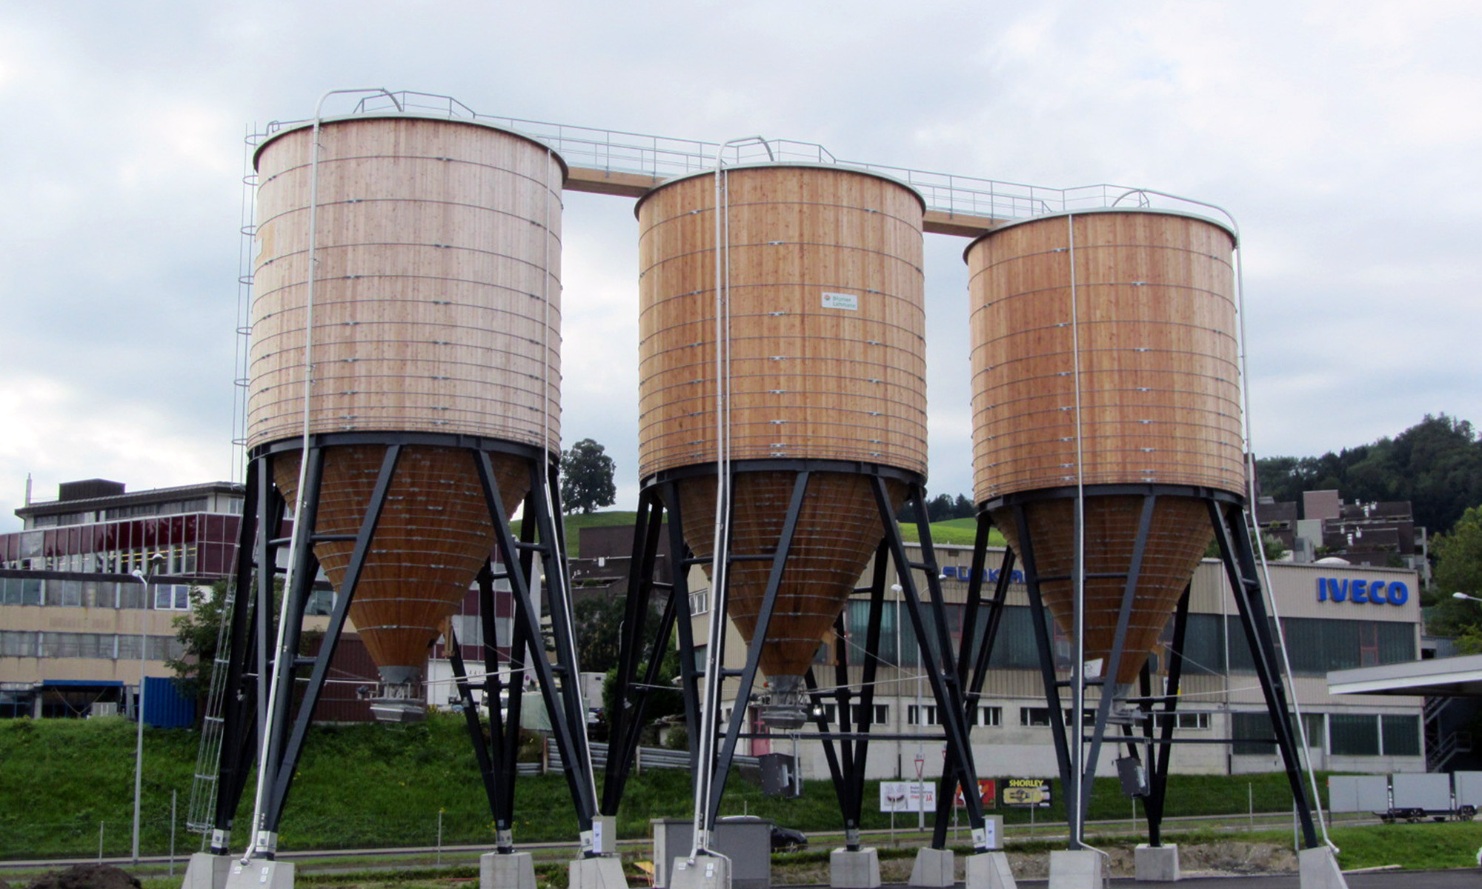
(87, 876)
(1238, 858)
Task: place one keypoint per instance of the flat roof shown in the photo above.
(1438, 677)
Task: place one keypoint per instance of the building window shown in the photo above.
(989, 716)
(880, 714)
(20, 591)
(1034, 716)
(1183, 720)
(1399, 734)
(322, 602)
(171, 597)
(1252, 734)
(18, 643)
(1354, 734)
(925, 714)
(699, 601)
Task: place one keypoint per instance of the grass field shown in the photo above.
(68, 790)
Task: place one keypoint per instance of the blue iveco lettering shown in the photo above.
(1362, 592)
(965, 573)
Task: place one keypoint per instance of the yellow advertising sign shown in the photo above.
(1026, 792)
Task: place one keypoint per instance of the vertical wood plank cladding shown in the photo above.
(838, 530)
(1180, 533)
(433, 537)
(1159, 400)
(437, 294)
(807, 380)
(1160, 395)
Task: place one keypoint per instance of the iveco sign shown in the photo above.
(1362, 592)
(965, 573)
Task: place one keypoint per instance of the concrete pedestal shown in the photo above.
(704, 872)
(933, 868)
(260, 873)
(989, 870)
(1318, 869)
(854, 870)
(602, 872)
(511, 870)
(1156, 864)
(207, 871)
(1076, 869)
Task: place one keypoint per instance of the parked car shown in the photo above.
(784, 839)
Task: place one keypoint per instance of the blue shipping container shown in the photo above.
(164, 706)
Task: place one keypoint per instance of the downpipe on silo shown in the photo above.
(720, 549)
(266, 841)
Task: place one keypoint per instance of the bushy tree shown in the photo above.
(598, 625)
(1435, 464)
(586, 477)
(197, 630)
(1459, 570)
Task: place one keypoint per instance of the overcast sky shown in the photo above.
(1346, 139)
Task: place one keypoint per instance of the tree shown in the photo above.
(1435, 464)
(586, 477)
(198, 630)
(1459, 570)
(597, 623)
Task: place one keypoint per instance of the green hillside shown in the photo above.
(956, 532)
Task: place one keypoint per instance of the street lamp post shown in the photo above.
(143, 578)
(1465, 596)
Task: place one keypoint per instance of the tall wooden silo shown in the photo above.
(403, 404)
(435, 314)
(826, 369)
(782, 424)
(1105, 362)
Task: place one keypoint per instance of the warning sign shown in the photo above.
(1033, 792)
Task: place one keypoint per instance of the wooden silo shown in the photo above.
(433, 320)
(825, 371)
(1105, 363)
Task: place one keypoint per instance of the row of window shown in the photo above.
(122, 546)
(1214, 644)
(1344, 734)
(990, 716)
(93, 594)
(1340, 734)
(101, 646)
(161, 508)
(175, 559)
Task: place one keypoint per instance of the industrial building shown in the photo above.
(72, 612)
(1324, 631)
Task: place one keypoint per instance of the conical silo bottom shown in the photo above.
(1178, 536)
(434, 535)
(837, 532)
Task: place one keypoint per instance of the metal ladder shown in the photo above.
(200, 815)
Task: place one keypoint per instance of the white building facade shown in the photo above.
(1333, 616)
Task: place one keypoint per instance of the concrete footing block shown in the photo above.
(1076, 869)
(854, 870)
(701, 872)
(933, 868)
(207, 871)
(1318, 869)
(601, 872)
(508, 870)
(988, 870)
(1156, 864)
(260, 873)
